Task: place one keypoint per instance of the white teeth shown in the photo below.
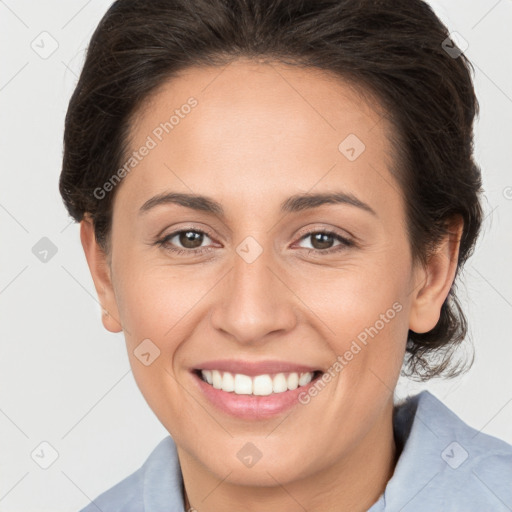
(207, 375)
(262, 385)
(305, 378)
(279, 383)
(243, 384)
(259, 385)
(228, 382)
(293, 381)
(217, 379)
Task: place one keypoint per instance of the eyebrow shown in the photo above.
(295, 203)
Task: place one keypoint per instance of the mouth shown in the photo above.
(257, 396)
(258, 385)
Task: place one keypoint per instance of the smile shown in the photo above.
(259, 385)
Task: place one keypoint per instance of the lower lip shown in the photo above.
(252, 407)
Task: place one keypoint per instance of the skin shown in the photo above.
(260, 134)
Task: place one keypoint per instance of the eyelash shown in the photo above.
(164, 242)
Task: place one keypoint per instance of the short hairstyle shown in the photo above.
(397, 51)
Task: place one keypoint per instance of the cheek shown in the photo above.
(163, 304)
(153, 305)
(159, 313)
(363, 310)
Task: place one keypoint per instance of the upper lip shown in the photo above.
(253, 368)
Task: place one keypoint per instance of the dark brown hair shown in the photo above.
(396, 50)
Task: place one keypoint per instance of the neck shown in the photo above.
(352, 484)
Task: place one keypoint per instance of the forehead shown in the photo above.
(262, 98)
(259, 129)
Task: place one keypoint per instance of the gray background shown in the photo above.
(64, 379)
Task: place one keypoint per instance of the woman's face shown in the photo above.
(265, 275)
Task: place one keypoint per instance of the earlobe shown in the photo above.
(434, 281)
(100, 272)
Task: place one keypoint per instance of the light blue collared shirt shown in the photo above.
(445, 466)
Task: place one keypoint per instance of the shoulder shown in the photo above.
(157, 481)
(470, 446)
(445, 463)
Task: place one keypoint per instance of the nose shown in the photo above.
(253, 301)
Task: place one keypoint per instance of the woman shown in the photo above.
(275, 199)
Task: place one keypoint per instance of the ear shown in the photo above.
(101, 274)
(434, 281)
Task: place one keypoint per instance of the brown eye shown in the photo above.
(325, 241)
(321, 240)
(190, 239)
(185, 241)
